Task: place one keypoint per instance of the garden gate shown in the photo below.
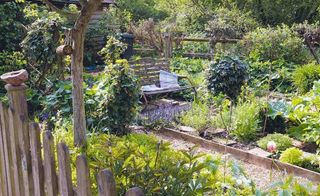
(28, 157)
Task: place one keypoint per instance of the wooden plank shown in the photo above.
(83, 176)
(106, 183)
(24, 145)
(208, 39)
(135, 191)
(170, 90)
(65, 180)
(4, 118)
(37, 167)
(16, 155)
(3, 170)
(50, 175)
(149, 71)
(198, 55)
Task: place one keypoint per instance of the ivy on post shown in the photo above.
(88, 7)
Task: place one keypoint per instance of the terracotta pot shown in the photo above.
(15, 78)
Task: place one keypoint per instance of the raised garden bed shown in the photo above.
(258, 157)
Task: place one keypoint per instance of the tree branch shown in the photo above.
(86, 12)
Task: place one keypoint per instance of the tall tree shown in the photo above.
(88, 7)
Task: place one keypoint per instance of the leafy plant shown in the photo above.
(112, 50)
(305, 116)
(39, 47)
(292, 155)
(289, 186)
(311, 162)
(197, 117)
(275, 115)
(230, 23)
(246, 121)
(304, 76)
(271, 44)
(282, 141)
(12, 25)
(227, 76)
(122, 97)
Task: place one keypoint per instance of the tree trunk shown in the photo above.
(78, 36)
(79, 119)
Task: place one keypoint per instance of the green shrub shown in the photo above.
(122, 96)
(305, 116)
(282, 141)
(11, 61)
(197, 117)
(246, 121)
(227, 76)
(311, 162)
(304, 76)
(273, 53)
(11, 25)
(230, 23)
(292, 155)
(270, 44)
(112, 50)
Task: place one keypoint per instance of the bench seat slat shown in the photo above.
(169, 90)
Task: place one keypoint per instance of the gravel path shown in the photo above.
(261, 176)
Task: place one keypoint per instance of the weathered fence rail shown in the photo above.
(28, 164)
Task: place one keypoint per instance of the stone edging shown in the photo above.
(244, 155)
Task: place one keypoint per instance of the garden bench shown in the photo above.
(155, 77)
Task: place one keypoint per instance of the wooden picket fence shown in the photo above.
(28, 163)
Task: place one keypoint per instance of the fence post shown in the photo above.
(212, 45)
(83, 176)
(65, 180)
(167, 45)
(106, 183)
(16, 92)
(135, 191)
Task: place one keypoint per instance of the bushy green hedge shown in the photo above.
(274, 43)
(227, 76)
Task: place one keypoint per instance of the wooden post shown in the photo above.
(37, 166)
(4, 173)
(212, 45)
(16, 155)
(18, 103)
(65, 180)
(167, 45)
(106, 183)
(18, 99)
(50, 174)
(83, 176)
(135, 191)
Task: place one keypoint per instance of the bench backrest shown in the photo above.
(148, 69)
